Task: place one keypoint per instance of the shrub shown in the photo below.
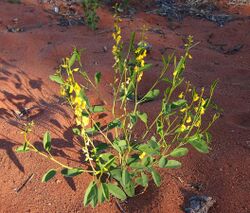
(91, 17)
(120, 165)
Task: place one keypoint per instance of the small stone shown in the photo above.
(56, 9)
(15, 20)
(105, 49)
(200, 204)
(58, 181)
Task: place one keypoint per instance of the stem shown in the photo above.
(50, 157)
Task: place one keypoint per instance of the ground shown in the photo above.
(27, 59)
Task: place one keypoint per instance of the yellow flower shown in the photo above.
(76, 69)
(77, 88)
(138, 50)
(189, 119)
(198, 123)
(182, 128)
(139, 58)
(142, 155)
(202, 110)
(78, 112)
(183, 110)
(181, 95)
(85, 120)
(203, 102)
(175, 73)
(136, 68)
(62, 91)
(196, 97)
(78, 122)
(71, 89)
(77, 101)
(82, 121)
(118, 39)
(139, 77)
(142, 63)
(114, 49)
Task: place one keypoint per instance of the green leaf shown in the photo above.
(101, 197)
(120, 145)
(143, 116)
(105, 190)
(179, 103)
(135, 162)
(23, 148)
(71, 172)
(136, 165)
(115, 123)
(143, 180)
(130, 189)
(101, 147)
(96, 109)
(116, 191)
(147, 161)
(125, 177)
(198, 143)
(168, 108)
(109, 163)
(116, 174)
(94, 200)
(153, 143)
(167, 80)
(173, 164)
(83, 95)
(106, 157)
(179, 152)
(90, 194)
(48, 175)
(147, 149)
(56, 78)
(133, 118)
(145, 67)
(47, 141)
(72, 58)
(156, 177)
(98, 76)
(151, 95)
(76, 131)
(179, 69)
(163, 162)
(94, 129)
(131, 42)
(208, 137)
(159, 127)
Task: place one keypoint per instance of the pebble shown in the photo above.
(105, 49)
(58, 181)
(56, 9)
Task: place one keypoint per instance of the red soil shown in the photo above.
(28, 58)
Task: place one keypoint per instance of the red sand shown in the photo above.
(28, 58)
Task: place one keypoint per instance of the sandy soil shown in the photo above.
(28, 58)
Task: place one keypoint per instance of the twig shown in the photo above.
(24, 183)
(119, 206)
